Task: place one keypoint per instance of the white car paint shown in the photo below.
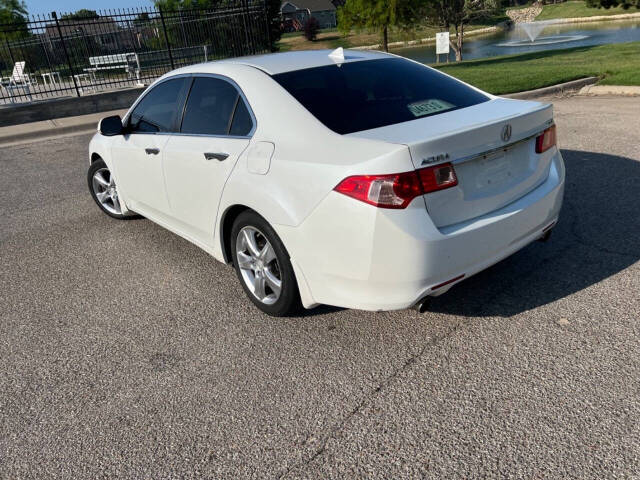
(345, 252)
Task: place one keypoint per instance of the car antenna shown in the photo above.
(337, 55)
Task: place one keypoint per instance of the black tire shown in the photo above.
(110, 209)
(288, 302)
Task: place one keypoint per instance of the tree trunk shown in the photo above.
(460, 41)
(385, 38)
(457, 46)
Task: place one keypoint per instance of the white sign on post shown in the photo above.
(442, 43)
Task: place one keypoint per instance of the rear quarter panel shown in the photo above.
(308, 160)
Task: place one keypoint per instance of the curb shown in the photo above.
(48, 129)
(554, 89)
(624, 90)
(43, 110)
(53, 132)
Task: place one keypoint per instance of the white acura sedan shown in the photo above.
(348, 178)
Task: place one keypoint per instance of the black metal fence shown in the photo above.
(59, 55)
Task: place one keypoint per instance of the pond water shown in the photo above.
(494, 44)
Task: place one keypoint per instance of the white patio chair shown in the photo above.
(19, 79)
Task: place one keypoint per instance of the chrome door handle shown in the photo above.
(152, 151)
(217, 156)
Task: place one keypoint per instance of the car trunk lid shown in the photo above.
(492, 148)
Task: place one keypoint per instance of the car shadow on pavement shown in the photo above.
(320, 310)
(598, 235)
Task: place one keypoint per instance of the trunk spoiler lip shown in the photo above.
(535, 107)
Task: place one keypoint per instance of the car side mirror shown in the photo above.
(111, 126)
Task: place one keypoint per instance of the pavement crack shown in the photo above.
(369, 398)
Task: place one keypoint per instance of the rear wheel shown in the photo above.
(263, 267)
(102, 186)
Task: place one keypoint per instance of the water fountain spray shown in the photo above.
(531, 32)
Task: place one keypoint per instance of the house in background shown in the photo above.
(104, 32)
(296, 12)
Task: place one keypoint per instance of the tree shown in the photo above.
(81, 14)
(457, 14)
(273, 21)
(379, 15)
(182, 4)
(142, 19)
(13, 13)
(272, 11)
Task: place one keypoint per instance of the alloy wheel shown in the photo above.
(258, 265)
(104, 187)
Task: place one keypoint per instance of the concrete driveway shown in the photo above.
(126, 352)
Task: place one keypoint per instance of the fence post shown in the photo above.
(66, 54)
(166, 39)
(13, 60)
(268, 25)
(245, 14)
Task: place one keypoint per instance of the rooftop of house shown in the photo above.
(311, 5)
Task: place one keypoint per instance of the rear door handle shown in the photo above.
(217, 156)
(152, 151)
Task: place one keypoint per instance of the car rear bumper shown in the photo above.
(353, 255)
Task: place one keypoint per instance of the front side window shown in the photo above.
(210, 107)
(363, 95)
(156, 112)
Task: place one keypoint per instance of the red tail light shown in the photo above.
(546, 140)
(398, 189)
(438, 177)
(384, 191)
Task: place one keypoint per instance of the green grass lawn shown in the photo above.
(578, 9)
(617, 64)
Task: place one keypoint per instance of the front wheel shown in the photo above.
(263, 266)
(102, 186)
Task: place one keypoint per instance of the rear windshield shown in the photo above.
(369, 94)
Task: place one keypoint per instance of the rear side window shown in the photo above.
(210, 107)
(242, 123)
(156, 112)
(369, 94)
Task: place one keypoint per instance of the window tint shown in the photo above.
(209, 107)
(157, 110)
(369, 94)
(242, 124)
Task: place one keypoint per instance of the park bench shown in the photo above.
(135, 63)
(108, 62)
(129, 62)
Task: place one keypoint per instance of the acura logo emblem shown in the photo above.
(506, 133)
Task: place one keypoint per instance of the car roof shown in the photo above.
(274, 63)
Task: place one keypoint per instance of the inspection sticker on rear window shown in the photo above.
(427, 107)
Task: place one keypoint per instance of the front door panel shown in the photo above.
(138, 165)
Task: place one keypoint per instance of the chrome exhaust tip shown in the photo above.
(546, 232)
(545, 236)
(422, 305)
